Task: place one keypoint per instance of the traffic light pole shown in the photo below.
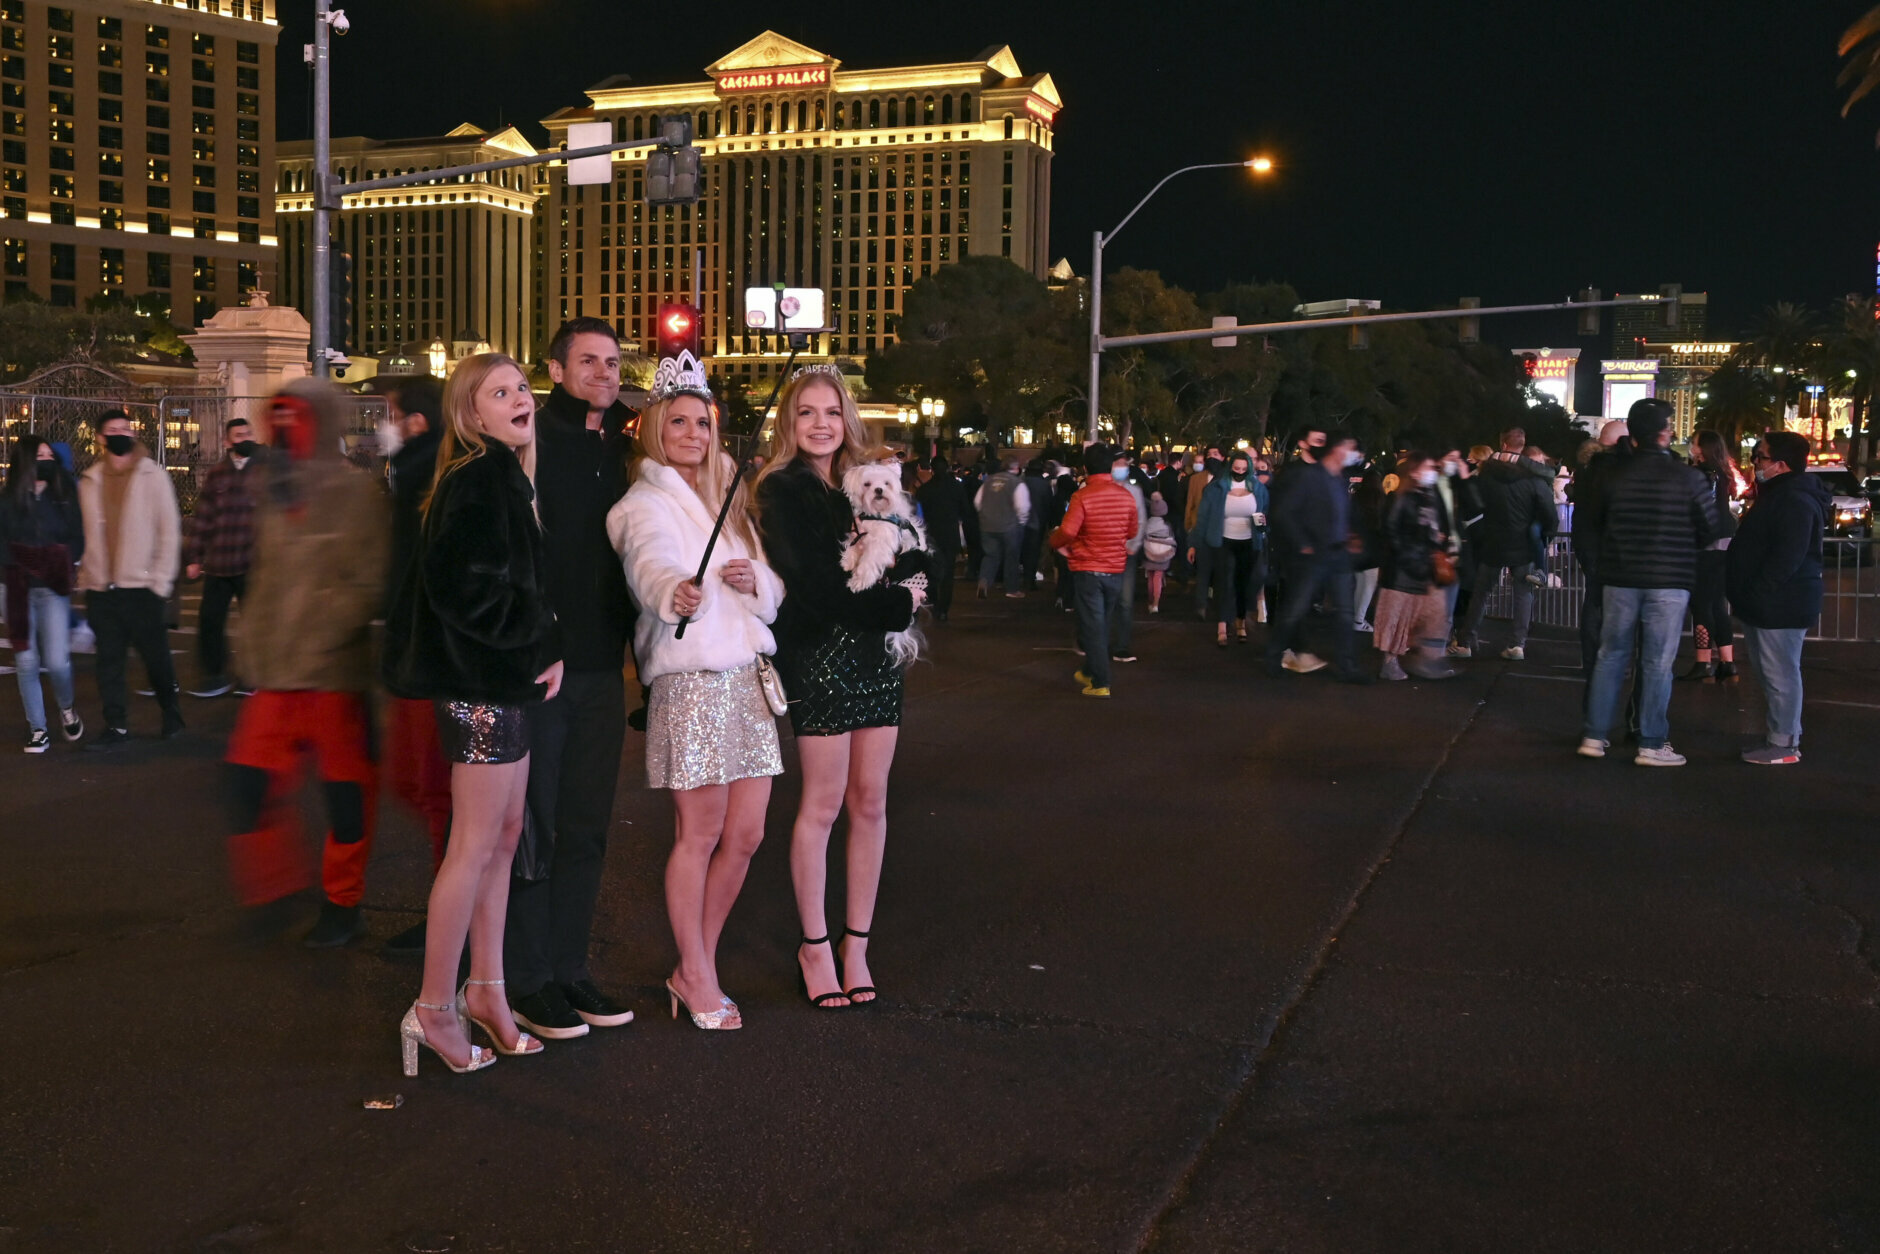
(322, 206)
(1314, 324)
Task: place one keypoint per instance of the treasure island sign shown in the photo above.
(784, 78)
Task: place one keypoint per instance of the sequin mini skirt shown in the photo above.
(482, 735)
(844, 681)
(709, 727)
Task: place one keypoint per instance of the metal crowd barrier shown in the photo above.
(1850, 608)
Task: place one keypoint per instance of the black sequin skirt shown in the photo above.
(482, 735)
(844, 680)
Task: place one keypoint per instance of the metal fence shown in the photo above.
(1850, 608)
(182, 429)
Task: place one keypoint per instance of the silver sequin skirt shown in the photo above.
(482, 735)
(709, 727)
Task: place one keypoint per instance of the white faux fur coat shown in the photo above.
(659, 529)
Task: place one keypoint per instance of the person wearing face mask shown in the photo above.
(1462, 512)
(133, 554)
(220, 545)
(1158, 550)
(1312, 525)
(1517, 498)
(318, 581)
(1123, 622)
(1412, 613)
(1227, 540)
(415, 768)
(1094, 537)
(1201, 556)
(42, 538)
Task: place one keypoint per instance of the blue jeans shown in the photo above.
(1002, 553)
(1099, 600)
(49, 649)
(1658, 614)
(1777, 652)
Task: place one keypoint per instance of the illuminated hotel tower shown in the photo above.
(857, 181)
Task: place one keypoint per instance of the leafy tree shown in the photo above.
(986, 337)
(35, 335)
(1850, 360)
(1860, 53)
(1785, 346)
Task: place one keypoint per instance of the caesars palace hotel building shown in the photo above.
(854, 180)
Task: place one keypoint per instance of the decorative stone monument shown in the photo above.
(252, 349)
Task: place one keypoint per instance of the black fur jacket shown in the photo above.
(804, 522)
(471, 619)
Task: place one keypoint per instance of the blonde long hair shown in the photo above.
(857, 445)
(714, 477)
(463, 439)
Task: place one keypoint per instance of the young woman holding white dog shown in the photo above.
(710, 734)
(843, 683)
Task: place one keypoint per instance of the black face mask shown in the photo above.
(246, 448)
(119, 444)
(47, 471)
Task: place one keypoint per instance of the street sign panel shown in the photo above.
(792, 309)
(584, 170)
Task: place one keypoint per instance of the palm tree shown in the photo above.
(1785, 347)
(1860, 50)
(1851, 360)
(1736, 400)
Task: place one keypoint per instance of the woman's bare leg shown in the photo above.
(825, 780)
(698, 820)
(867, 798)
(488, 1002)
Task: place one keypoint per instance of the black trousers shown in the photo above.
(218, 591)
(574, 765)
(124, 619)
(946, 551)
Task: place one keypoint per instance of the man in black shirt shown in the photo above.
(939, 496)
(580, 472)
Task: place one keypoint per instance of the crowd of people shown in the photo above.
(516, 549)
(1409, 546)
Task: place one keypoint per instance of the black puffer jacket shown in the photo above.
(1588, 494)
(471, 621)
(1515, 495)
(1653, 516)
(1413, 531)
(411, 470)
(803, 522)
(1773, 570)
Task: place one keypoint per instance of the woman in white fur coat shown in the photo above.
(710, 735)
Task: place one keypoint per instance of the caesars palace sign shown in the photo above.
(775, 80)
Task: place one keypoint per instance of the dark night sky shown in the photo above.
(1429, 151)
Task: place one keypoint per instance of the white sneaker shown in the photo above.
(1664, 755)
(1361, 625)
(1592, 748)
(1460, 650)
(1302, 663)
(1514, 653)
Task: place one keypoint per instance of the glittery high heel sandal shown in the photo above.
(860, 988)
(724, 1019)
(411, 1035)
(525, 1044)
(826, 1001)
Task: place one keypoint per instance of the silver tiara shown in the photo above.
(822, 367)
(680, 376)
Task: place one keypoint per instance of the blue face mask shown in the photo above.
(1120, 473)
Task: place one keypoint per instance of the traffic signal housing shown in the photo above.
(678, 330)
(339, 302)
(672, 169)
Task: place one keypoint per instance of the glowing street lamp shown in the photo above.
(439, 355)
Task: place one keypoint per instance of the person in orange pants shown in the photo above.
(265, 753)
(315, 584)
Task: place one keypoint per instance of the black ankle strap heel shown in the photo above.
(827, 1001)
(860, 988)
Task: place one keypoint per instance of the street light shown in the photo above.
(1259, 165)
(439, 355)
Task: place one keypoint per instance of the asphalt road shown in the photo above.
(1224, 963)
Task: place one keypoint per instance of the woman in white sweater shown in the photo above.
(710, 735)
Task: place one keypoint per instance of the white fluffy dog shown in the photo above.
(885, 528)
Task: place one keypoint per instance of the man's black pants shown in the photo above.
(574, 765)
(125, 619)
(212, 621)
(946, 551)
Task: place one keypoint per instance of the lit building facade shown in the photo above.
(857, 181)
(135, 137)
(436, 262)
(1634, 325)
(1683, 369)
